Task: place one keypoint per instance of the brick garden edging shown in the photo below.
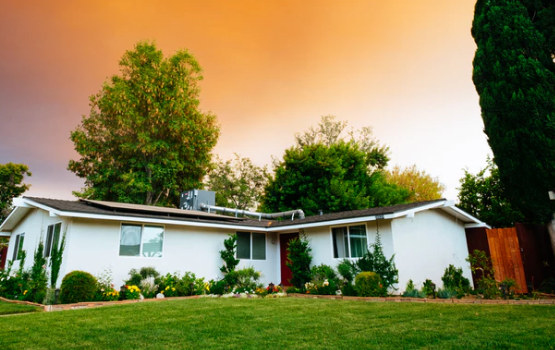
(395, 299)
(91, 304)
(424, 300)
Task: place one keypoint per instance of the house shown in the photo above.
(425, 237)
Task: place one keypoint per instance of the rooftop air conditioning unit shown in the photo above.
(192, 199)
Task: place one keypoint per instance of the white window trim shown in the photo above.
(141, 245)
(17, 246)
(251, 246)
(52, 243)
(348, 240)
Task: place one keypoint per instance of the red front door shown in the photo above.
(283, 245)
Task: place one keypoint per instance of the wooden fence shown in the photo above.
(505, 255)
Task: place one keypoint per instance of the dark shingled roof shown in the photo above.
(141, 211)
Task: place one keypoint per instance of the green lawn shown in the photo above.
(9, 308)
(287, 323)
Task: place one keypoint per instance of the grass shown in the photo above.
(287, 323)
(10, 309)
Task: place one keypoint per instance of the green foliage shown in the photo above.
(145, 139)
(446, 293)
(346, 269)
(514, 74)
(247, 279)
(325, 171)
(131, 293)
(412, 292)
(104, 287)
(487, 285)
(374, 260)
(548, 286)
(136, 276)
(56, 257)
(189, 284)
(324, 280)
(299, 258)
(218, 287)
(15, 286)
(238, 183)
(38, 277)
(228, 256)
(484, 197)
(11, 185)
(348, 290)
(77, 286)
(369, 284)
(421, 185)
(428, 288)
(454, 280)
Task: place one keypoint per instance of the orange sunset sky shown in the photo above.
(271, 69)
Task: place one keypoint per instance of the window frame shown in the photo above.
(141, 244)
(251, 246)
(18, 248)
(52, 238)
(348, 238)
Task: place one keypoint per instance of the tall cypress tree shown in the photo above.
(514, 75)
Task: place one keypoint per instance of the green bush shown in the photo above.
(347, 269)
(454, 280)
(446, 293)
(189, 285)
(78, 286)
(374, 260)
(218, 287)
(348, 290)
(246, 279)
(135, 277)
(299, 259)
(428, 288)
(412, 292)
(369, 284)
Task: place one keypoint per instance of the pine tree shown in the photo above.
(514, 75)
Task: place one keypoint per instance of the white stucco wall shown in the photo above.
(425, 246)
(34, 226)
(94, 247)
(321, 241)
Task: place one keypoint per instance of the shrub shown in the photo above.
(167, 285)
(412, 292)
(446, 293)
(487, 285)
(247, 279)
(347, 269)
(217, 287)
(137, 276)
(38, 278)
(324, 280)
(104, 287)
(548, 286)
(348, 290)
(454, 280)
(369, 284)
(189, 285)
(428, 288)
(374, 260)
(299, 259)
(132, 293)
(78, 286)
(149, 287)
(228, 256)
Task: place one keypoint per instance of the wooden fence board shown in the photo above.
(505, 256)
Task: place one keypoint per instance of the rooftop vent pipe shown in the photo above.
(237, 212)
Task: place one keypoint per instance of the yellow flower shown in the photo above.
(168, 287)
(25, 292)
(173, 289)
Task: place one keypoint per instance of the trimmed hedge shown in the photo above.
(369, 284)
(77, 286)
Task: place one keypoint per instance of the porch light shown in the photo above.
(271, 287)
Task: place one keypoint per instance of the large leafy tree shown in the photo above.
(11, 185)
(325, 171)
(483, 195)
(421, 185)
(238, 183)
(146, 139)
(514, 74)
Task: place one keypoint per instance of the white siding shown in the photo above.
(425, 246)
(95, 246)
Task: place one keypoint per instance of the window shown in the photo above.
(18, 248)
(251, 245)
(141, 240)
(349, 241)
(52, 238)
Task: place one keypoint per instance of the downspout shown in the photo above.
(237, 212)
